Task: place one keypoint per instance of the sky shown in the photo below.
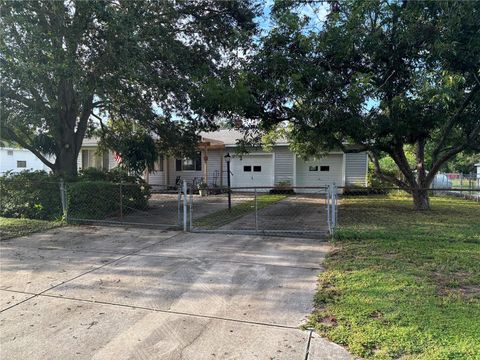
(317, 12)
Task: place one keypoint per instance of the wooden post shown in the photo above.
(205, 174)
(221, 170)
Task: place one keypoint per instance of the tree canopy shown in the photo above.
(68, 65)
(382, 76)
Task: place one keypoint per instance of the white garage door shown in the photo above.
(320, 172)
(252, 170)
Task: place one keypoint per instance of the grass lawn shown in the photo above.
(10, 228)
(225, 216)
(403, 284)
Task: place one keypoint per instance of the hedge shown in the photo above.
(36, 195)
(32, 195)
(101, 199)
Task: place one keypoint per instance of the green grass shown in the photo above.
(225, 216)
(403, 284)
(11, 228)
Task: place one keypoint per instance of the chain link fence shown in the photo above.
(99, 202)
(30, 199)
(391, 213)
(283, 211)
(295, 211)
(121, 203)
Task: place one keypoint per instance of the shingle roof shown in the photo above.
(230, 136)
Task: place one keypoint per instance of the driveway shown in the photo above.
(119, 293)
(300, 213)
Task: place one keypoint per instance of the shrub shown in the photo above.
(119, 175)
(101, 199)
(92, 199)
(283, 187)
(92, 174)
(94, 194)
(32, 195)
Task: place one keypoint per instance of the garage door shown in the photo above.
(252, 170)
(320, 172)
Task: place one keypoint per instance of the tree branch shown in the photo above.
(452, 121)
(447, 156)
(14, 137)
(379, 172)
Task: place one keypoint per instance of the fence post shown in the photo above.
(328, 208)
(256, 211)
(184, 205)
(62, 198)
(191, 208)
(179, 206)
(121, 201)
(334, 207)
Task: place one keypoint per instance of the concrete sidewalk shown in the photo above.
(118, 293)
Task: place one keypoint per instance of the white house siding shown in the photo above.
(215, 158)
(356, 169)
(10, 156)
(283, 167)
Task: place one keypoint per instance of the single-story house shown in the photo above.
(257, 168)
(13, 159)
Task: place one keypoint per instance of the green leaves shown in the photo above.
(62, 61)
(383, 76)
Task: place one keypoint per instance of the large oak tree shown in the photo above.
(384, 76)
(67, 65)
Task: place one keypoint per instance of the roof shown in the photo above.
(229, 137)
(93, 141)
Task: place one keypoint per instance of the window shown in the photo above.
(247, 168)
(21, 163)
(313, 168)
(324, 168)
(91, 159)
(257, 168)
(189, 164)
(159, 164)
(10, 152)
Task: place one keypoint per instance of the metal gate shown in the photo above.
(292, 211)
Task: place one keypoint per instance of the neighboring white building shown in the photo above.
(478, 170)
(17, 159)
(258, 168)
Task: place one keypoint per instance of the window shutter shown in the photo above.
(198, 161)
(178, 165)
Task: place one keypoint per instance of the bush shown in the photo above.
(92, 174)
(92, 199)
(94, 194)
(32, 195)
(354, 190)
(101, 199)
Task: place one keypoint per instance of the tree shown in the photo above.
(383, 76)
(464, 163)
(67, 65)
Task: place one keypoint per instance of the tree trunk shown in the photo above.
(421, 200)
(66, 162)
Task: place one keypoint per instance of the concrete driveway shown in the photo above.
(118, 293)
(300, 212)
